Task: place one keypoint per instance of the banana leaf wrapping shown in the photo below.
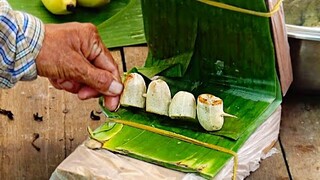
(202, 49)
(197, 48)
(119, 23)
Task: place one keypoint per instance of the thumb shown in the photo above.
(102, 81)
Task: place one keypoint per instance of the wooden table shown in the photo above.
(65, 119)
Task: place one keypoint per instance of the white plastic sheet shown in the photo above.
(85, 163)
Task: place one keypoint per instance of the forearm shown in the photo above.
(21, 37)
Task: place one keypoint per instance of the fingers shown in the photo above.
(112, 102)
(101, 57)
(94, 50)
(55, 83)
(102, 81)
(105, 61)
(81, 71)
(105, 72)
(87, 92)
(90, 41)
(67, 85)
(74, 59)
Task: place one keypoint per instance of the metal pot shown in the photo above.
(305, 55)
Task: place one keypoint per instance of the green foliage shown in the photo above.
(203, 49)
(119, 22)
(193, 47)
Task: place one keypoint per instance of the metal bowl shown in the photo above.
(305, 55)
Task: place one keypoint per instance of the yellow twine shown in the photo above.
(183, 138)
(246, 11)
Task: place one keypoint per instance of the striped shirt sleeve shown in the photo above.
(21, 37)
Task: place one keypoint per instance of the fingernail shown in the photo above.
(95, 51)
(115, 87)
(95, 48)
(67, 85)
(117, 107)
(82, 95)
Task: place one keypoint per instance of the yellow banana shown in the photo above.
(60, 7)
(92, 3)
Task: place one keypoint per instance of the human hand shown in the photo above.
(74, 58)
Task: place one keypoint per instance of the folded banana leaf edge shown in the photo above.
(202, 49)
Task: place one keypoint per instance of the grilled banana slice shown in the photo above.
(158, 97)
(210, 112)
(183, 106)
(134, 91)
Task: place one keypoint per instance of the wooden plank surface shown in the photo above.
(299, 134)
(281, 47)
(135, 56)
(19, 159)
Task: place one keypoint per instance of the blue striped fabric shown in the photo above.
(21, 37)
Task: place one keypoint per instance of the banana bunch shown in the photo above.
(92, 3)
(62, 7)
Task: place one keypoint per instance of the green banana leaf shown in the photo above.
(203, 49)
(119, 23)
(193, 47)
